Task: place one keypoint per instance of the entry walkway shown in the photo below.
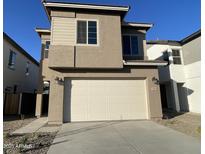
(32, 127)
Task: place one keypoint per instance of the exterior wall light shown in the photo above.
(59, 80)
(155, 80)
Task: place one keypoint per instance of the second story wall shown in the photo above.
(192, 51)
(16, 77)
(65, 52)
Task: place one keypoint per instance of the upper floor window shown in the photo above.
(45, 55)
(176, 56)
(87, 32)
(27, 68)
(47, 45)
(12, 59)
(165, 56)
(130, 45)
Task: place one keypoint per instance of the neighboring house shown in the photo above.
(94, 65)
(180, 81)
(21, 70)
(20, 78)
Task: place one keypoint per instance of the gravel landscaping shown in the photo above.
(12, 123)
(187, 123)
(34, 143)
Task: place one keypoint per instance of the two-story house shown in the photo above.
(180, 81)
(20, 74)
(96, 66)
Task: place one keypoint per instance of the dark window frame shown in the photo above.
(12, 60)
(27, 68)
(46, 49)
(130, 45)
(177, 59)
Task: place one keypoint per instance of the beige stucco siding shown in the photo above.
(153, 94)
(63, 31)
(192, 51)
(61, 56)
(109, 51)
(18, 75)
(63, 37)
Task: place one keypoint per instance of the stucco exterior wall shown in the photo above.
(18, 75)
(56, 99)
(193, 86)
(187, 76)
(192, 51)
(172, 71)
(63, 37)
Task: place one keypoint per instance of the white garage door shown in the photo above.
(95, 100)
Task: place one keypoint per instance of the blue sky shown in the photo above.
(173, 19)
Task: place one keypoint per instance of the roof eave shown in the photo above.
(83, 6)
(144, 63)
(40, 31)
(145, 26)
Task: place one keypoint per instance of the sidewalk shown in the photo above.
(32, 127)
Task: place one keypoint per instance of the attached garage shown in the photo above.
(110, 99)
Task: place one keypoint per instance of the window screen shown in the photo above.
(12, 59)
(126, 45)
(92, 32)
(82, 32)
(130, 45)
(134, 45)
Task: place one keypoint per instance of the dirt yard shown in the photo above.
(34, 143)
(187, 123)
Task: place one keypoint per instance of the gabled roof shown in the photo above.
(82, 6)
(20, 49)
(177, 43)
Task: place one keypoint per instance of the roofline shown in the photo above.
(42, 31)
(10, 40)
(177, 43)
(147, 26)
(145, 63)
(191, 37)
(86, 6)
(164, 42)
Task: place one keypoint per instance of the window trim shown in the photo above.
(27, 67)
(131, 44)
(97, 32)
(180, 56)
(10, 65)
(46, 50)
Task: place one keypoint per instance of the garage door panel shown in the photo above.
(93, 100)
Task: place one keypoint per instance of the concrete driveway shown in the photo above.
(124, 137)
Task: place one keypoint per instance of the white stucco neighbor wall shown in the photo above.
(155, 51)
(174, 72)
(25, 83)
(187, 76)
(193, 85)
